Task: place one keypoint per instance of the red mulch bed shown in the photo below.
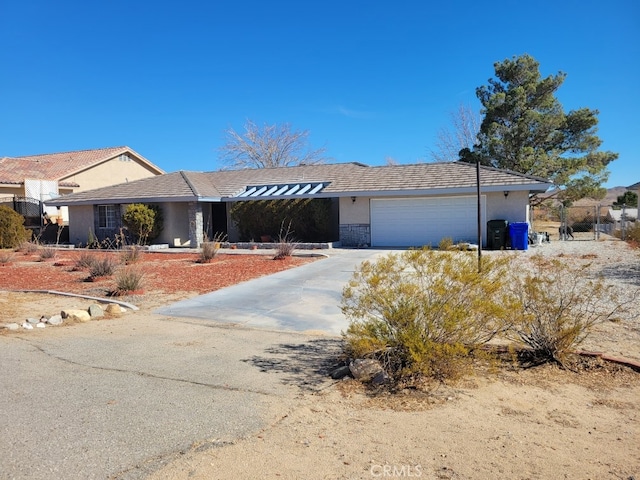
(163, 272)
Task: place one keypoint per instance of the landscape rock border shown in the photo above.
(113, 308)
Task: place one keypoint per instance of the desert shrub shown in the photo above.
(144, 222)
(47, 253)
(129, 279)
(209, 249)
(85, 260)
(422, 313)
(633, 234)
(286, 244)
(28, 247)
(557, 305)
(12, 230)
(6, 257)
(102, 267)
(445, 244)
(131, 255)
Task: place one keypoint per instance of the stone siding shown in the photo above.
(355, 235)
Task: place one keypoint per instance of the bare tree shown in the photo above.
(465, 125)
(269, 146)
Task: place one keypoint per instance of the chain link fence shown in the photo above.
(581, 223)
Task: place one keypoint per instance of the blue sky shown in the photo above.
(368, 80)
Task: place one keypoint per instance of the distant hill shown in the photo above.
(611, 196)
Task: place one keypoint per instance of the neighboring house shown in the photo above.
(397, 205)
(618, 216)
(39, 178)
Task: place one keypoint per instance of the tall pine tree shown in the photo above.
(525, 129)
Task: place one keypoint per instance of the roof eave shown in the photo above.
(531, 188)
(62, 201)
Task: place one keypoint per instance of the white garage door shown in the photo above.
(416, 222)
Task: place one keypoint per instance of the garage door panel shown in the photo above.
(423, 221)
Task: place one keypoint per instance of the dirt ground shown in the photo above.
(540, 423)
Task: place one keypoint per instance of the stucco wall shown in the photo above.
(80, 223)
(354, 229)
(111, 172)
(513, 207)
(176, 225)
(9, 191)
(354, 212)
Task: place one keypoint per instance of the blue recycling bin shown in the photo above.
(519, 234)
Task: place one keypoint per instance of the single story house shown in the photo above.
(615, 216)
(384, 206)
(39, 178)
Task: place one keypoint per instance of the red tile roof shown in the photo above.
(58, 166)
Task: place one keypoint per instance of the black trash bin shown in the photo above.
(497, 234)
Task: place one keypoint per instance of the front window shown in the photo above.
(107, 216)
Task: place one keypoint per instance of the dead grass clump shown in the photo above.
(85, 260)
(286, 244)
(6, 257)
(28, 248)
(102, 267)
(46, 253)
(131, 255)
(209, 249)
(128, 280)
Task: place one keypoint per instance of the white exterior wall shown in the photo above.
(513, 208)
(355, 217)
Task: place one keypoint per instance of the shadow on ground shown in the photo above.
(627, 273)
(307, 365)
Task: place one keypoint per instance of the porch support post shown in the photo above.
(195, 224)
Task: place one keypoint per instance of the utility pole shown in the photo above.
(479, 216)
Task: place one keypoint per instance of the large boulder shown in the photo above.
(96, 311)
(114, 309)
(364, 369)
(55, 320)
(76, 315)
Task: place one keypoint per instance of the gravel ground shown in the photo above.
(619, 264)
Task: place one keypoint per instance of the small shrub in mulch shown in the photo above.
(103, 267)
(208, 251)
(46, 253)
(131, 255)
(28, 248)
(6, 257)
(84, 261)
(286, 243)
(128, 280)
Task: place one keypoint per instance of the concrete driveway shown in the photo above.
(120, 398)
(303, 299)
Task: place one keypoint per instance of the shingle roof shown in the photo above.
(58, 166)
(342, 179)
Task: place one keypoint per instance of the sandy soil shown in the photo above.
(541, 423)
